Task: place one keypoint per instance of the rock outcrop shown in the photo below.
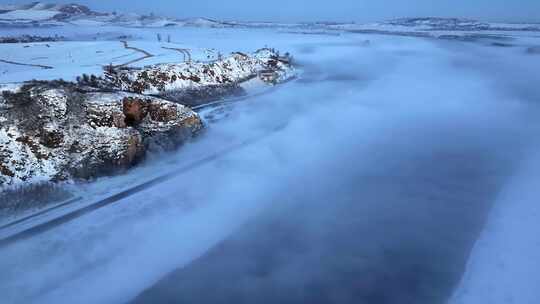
(193, 83)
(55, 131)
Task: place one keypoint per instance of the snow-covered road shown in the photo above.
(375, 190)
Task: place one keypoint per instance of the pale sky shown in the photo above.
(331, 10)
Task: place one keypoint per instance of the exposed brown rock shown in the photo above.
(163, 112)
(134, 109)
(51, 137)
(5, 171)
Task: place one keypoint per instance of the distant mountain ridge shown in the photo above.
(49, 14)
(68, 9)
(459, 24)
(40, 14)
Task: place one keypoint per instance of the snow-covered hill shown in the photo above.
(38, 14)
(44, 14)
(440, 23)
(435, 27)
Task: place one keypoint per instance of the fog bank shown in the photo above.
(383, 174)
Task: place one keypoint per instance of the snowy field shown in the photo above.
(456, 121)
(86, 55)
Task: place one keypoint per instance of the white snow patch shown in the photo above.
(505, 263)
(34, 15)
(25, 166)
(10, 87)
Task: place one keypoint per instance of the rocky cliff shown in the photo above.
(55, 131)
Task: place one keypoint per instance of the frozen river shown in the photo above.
(390, 155)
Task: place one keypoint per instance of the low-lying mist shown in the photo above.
(373, 190)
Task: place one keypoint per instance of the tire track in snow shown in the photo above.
(46, 67)
(146, 55)
(185, 52)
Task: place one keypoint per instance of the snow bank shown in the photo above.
(505, 263)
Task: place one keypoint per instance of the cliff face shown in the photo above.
(54, 131)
